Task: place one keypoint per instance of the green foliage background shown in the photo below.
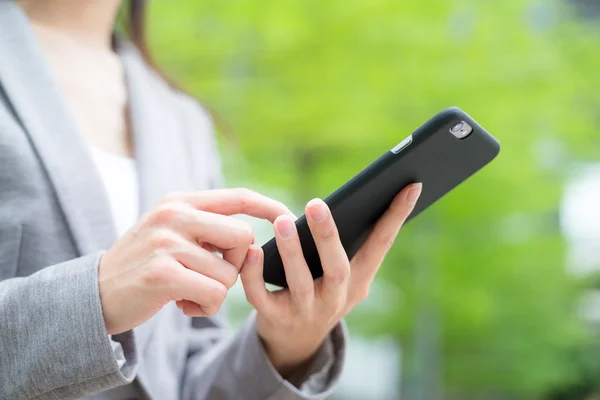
(316, 90)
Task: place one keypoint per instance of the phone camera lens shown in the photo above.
(461, 130)
(458, 127)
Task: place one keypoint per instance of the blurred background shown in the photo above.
(493, 293)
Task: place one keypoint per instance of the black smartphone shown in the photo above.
(441, 154)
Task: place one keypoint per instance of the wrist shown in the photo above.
(289, 351)
(287, 358)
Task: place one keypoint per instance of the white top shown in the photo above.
(120, 178)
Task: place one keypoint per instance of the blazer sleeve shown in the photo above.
(223, 368)
(53, 341)
(226, 368)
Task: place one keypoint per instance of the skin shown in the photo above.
(169, 254)
(294, 322)
(76, 39)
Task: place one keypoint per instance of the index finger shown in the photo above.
(236, 201)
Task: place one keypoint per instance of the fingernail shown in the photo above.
(286, 228)
(414, 193)
(252, 257)
(317, 210)
(292, 215)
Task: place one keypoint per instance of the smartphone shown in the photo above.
(441, 154)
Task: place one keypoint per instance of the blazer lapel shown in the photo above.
(159, 143)
(42, 111)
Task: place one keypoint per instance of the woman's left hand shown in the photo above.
(294, 322)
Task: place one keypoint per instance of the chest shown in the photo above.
(94, 88)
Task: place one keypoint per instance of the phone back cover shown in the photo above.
(435, 157)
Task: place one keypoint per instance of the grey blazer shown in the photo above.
(54, 224)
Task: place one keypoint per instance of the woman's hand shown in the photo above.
(168, 256)
(294, 322)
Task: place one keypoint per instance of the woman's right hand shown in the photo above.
(168, 256)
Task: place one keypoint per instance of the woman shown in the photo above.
(98, 303)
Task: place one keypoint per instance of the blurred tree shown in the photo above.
(316, 90)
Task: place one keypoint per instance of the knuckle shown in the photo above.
(158, 274)
(247, 199)
(303, 291)
(164, 239)
(329, 234)
(244, 193)
(216, 296)
(339, 275)
(244, 197)
(230, 278)
(292, 251)
(245, 232)
(171, 197)
(387, 240)
(166, 213)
